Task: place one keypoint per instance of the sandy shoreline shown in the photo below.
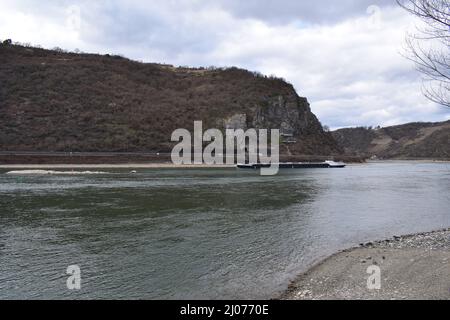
(412, 267)
(112, 166)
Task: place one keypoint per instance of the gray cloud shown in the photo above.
(286, 11)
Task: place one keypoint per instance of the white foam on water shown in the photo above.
(52, 172)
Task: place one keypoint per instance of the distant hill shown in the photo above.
(408, 141)
(52, 100)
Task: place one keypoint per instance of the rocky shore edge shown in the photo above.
(410, 267)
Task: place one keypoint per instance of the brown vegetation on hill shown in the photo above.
(409, 141)
(52, 100)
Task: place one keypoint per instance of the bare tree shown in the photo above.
(429, 47)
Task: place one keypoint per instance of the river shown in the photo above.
(202, 233)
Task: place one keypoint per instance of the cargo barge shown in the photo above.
(295, 165)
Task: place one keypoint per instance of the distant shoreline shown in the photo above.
(113, 166)
(414, 266)
(130, 159)
(410, 160)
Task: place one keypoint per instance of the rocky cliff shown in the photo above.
(58, 101)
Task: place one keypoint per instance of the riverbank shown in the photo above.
(412, 267)
(128, 158)
(113, 166)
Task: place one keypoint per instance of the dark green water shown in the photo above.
(202, 233)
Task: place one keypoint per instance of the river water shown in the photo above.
(202, 233)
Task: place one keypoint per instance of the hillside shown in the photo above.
(57, 101)
(408, 141)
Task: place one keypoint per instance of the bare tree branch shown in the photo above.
(429, 48)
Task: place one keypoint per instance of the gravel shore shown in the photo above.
(411, 267)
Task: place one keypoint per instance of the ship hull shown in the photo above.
(298, 165)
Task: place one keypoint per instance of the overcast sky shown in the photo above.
(344, 56)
